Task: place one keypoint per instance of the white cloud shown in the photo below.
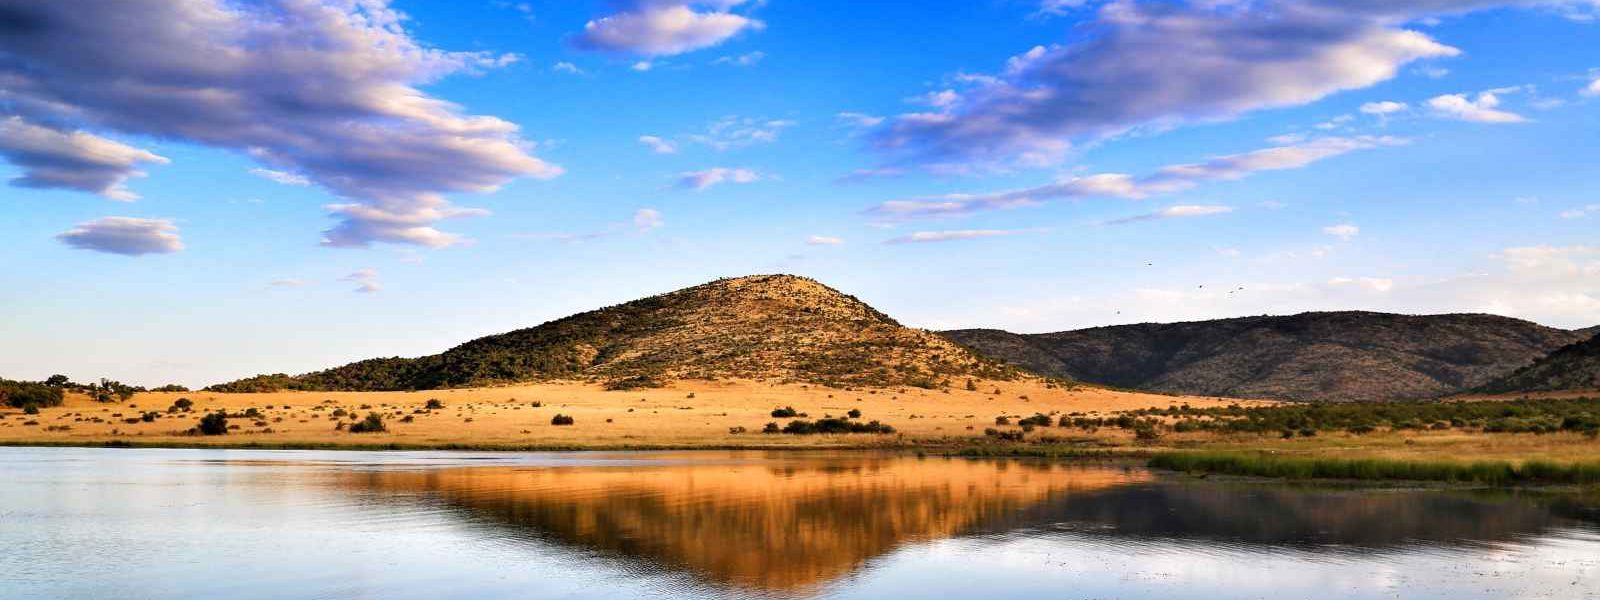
(52, 158)
(287, 282)
(1581, 212)
(665, 27)
(860, 175)
(646, 220)
(921, 237)
(658, 145)
(127, 236)
(1373, 284)
(823, 240)
(700, 180)
(748, 59)
(642, 66)
(366, 281)
(1386, 107)
(567, 67)
(855, 119)
(1167, 180)
(1593, 89)
(282, 177)
(330, 91)
(1344, 232)
(1159, 64)
(1180, 211)
(1481, 109)
(732, 132)
(1059, 7)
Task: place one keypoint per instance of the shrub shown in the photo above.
(855, 413)
(632, 383)
(214, 423)
(561, 420)
(30, 409)
(1002, 420)
(434, 404)
(737, 429)
(183, 403)
(22, 393)
(372, 424)
(1037, 420)
(771, 428)
(832, 425)
(787, 412)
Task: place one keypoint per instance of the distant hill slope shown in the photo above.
(1328, 356)
(769, 327)
(1574, 367)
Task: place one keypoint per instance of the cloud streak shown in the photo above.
(705, 179)
(127, 236)
(328, 92)
(1167, 180)
(1181, 211)
(928, 237)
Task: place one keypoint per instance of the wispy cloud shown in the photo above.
(924, 237)
(823, 240)
(658, 145)
(127, 236)
(366, 281)
(282, 177)
(1344, 232)
(1181, 211)
(700, 180)
(1167, 180)
(748, 59)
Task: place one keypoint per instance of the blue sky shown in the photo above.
(310, 183)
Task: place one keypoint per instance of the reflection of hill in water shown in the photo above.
(792, 523)
(780, 525)
(1306, 518)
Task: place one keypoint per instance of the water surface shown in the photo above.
(240, 524)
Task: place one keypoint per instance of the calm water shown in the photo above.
(93, 523)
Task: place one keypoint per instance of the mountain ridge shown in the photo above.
(1313, 356)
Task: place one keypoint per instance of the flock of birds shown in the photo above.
(1201, 286)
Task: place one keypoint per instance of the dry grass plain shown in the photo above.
(702, 414)
(687, 414)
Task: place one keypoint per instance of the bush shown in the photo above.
(214, 423)
(1037, 420)
(183, 403)
(831, 425)
(372, 424)
(20, 394)
(787, 412)
(434, 404)
(561, 420)
(632, 383)
(855, 413)
(771, 428)
(30, 409)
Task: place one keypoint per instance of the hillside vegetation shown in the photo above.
(1327, 356)
(1574, 367)
(768, 327)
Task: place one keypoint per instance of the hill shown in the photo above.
(1573, 367)
(770, 327)
(1326, 356)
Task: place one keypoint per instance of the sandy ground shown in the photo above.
(687, 414)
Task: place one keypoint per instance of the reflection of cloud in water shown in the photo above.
(774, 525)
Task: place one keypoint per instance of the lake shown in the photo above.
(247, 524)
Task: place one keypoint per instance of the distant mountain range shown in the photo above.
(770, 327)
(1319, 356)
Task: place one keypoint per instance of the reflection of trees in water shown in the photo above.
(1302, 517)
(782, 526)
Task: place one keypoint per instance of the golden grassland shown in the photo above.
(706, 414)
(686, 414)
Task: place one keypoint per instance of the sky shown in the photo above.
(202, 190)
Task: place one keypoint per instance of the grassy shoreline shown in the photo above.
(1264, 464)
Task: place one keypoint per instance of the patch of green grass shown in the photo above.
(1260, 464)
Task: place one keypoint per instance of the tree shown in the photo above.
(372, 424)
(57, 381)
(214, 423)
